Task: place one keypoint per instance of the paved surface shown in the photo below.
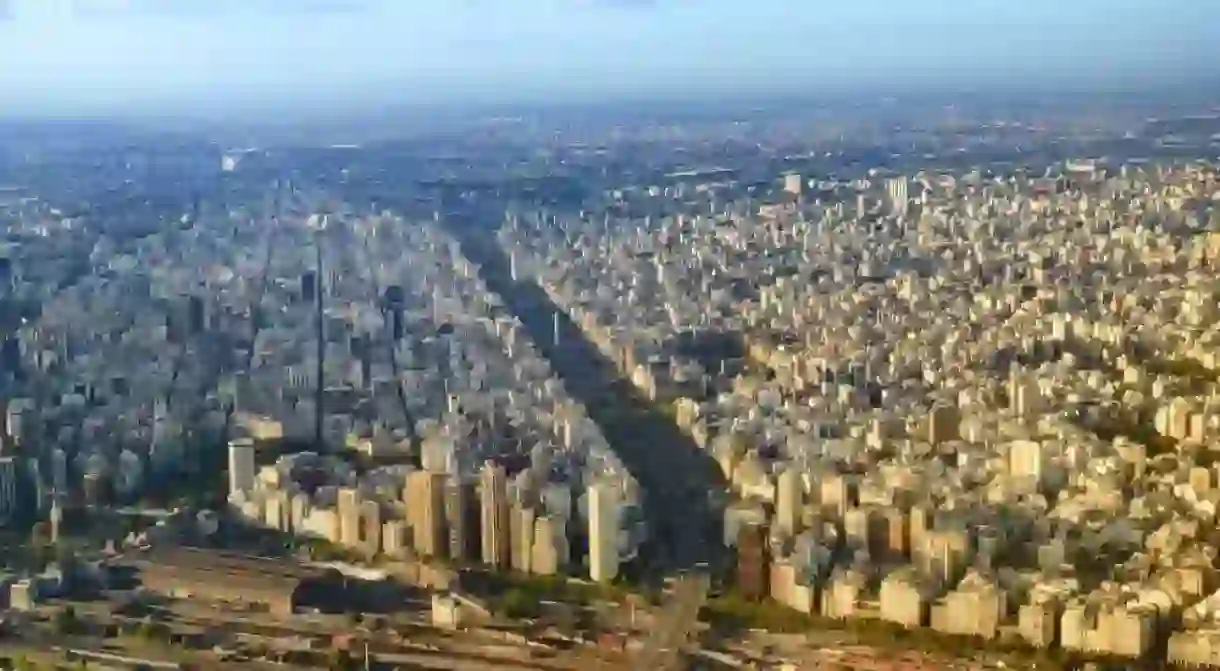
(676, 624)
(684, 527)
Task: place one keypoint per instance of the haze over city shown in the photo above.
(131, 56)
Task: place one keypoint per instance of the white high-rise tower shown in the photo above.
(603, 512)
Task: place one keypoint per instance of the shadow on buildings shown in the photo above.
(681, 483)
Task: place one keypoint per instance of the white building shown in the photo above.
(897, 193)
(603, 508)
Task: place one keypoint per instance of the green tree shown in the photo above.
(66, 622)
(517, 603)
(152, 631)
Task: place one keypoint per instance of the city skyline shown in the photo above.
(617, 334)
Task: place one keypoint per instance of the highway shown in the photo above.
(379, 299)
(319, 294)
(684, 526)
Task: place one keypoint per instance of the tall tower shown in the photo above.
(897, 194)
(426, 509)
(56, 517)
(521, 523)
(493, 514)
(603, 508)
(788, 502)
(348, 505)
(461, 520)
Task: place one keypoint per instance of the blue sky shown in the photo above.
(130, 55)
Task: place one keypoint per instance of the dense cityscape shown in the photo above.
(935, 388)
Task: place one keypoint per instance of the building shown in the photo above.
(23, 595)
(897, 196)
(787, 589)
(942, 555)
(753, 579)
(1025, 464)
(603, 513)
(276, 511)
(241, 465)
(789, 502)
(222, 577)
(462, 520)
(425, 499)
(842, 594)
(348, 509)
(944, 424)
(309, 286)
(1196, 648)
(396, 538)
(904, 599)
(897, 536)
(8, 488)
(521, 527)
(494, 515)
(1108, 624)
(1024, 395)
(550, 551)
(371, 529)
(1038, 621)
(976, 608)
(794, 183)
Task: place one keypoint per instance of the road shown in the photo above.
(379, 299)
(684, 525)
(320, 294)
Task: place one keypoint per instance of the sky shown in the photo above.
(110, 56)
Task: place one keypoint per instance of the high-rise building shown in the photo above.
(8, 488)
(370, 521)
(309, 286)
(550, 551)
(897, 194)
(521, 524)
(603, 513)
(196, 314)
(395, 538)
(789, 501)
(348, 510)
(241, 465)
(15, 419)
(794, 183)
(10, 356)
(944, 424)
(55, 518)
(493, 515)
(752, 572)
(426, 508)
(1024, 395)
(462, 519)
